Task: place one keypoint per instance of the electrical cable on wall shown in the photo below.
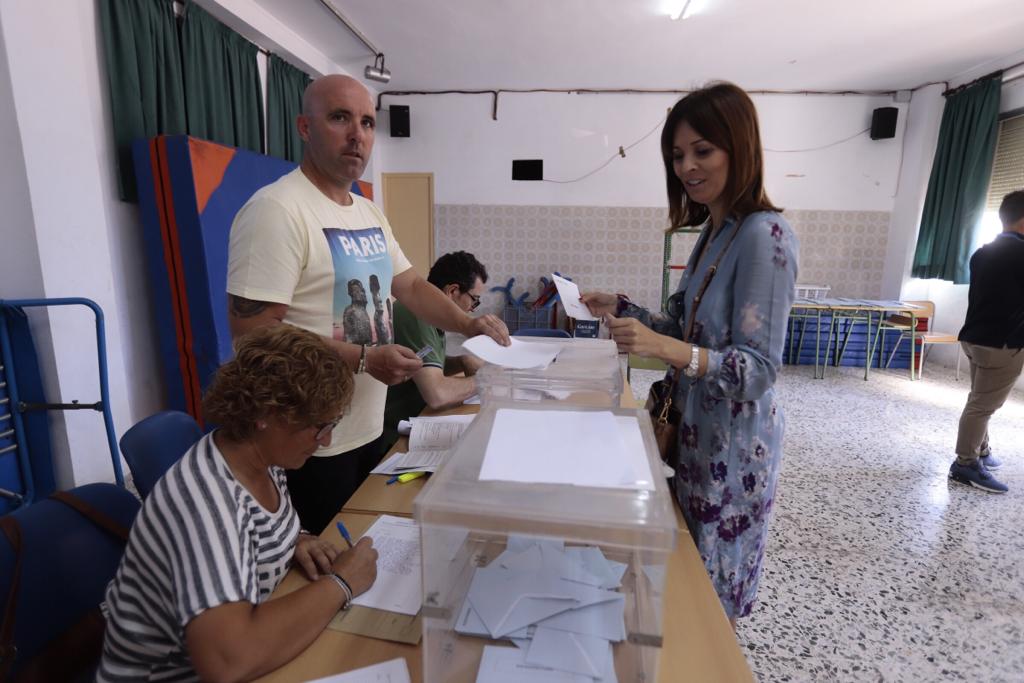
(815, 149)
(619, 154)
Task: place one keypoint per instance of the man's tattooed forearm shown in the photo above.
(246, 308)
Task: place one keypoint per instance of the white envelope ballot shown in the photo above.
(469, 623)
(572, 652)
(507, 601)
(605, 620)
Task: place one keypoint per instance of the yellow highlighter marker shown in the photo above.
(409, 476)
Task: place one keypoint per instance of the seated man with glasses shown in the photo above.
(461, 278)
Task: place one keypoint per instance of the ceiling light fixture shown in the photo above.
(377, 72)
(682, 9)
(681, 12)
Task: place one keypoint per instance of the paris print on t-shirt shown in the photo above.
(362, 286)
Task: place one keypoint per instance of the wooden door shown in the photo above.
(409, 207)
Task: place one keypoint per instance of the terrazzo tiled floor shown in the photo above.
(877, 567)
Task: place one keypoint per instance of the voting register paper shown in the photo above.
(398, 587)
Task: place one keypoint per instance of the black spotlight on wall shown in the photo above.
(378, 72)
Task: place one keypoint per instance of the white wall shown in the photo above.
(471, 155)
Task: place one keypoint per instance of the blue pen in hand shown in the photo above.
(344, 533)
(422, 353)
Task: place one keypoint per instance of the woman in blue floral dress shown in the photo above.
(731, 426)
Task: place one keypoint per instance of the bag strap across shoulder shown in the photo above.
(692, 309)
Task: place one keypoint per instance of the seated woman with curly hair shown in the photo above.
(218, 532)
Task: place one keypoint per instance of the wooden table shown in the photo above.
(699, 644)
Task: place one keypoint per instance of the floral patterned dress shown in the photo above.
(731, 428)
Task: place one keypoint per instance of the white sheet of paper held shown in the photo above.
(391, 671)
(519, 355)
(398, 587)
(569, 294)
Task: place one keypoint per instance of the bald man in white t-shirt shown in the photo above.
(306, 251)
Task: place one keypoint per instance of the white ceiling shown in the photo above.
(759, 44)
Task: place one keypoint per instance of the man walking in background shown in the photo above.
(993, 339)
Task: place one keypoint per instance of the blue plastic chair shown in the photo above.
(156, 443)
(540, 332)
(66, 563)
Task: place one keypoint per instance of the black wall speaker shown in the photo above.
(883, 123)
(399, 120)
(527, 169)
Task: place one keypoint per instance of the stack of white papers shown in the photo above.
(430, 442)
(581, 448)
(519, 355)
(558, 605)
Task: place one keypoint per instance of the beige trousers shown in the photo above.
(993, 374)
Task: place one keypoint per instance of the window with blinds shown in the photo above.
(1007, 176)
(1008, 165)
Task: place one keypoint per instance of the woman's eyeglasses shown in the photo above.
(325, 428)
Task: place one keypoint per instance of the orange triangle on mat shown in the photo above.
(209, 161)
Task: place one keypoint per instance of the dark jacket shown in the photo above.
(995, 302)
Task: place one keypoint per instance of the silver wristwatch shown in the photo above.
(693, 368)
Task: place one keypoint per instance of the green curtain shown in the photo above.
(285, 85)
(959, 182)
(222, 84)
(143, 58)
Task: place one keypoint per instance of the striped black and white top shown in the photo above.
(201, 540)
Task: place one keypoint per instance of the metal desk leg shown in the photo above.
(868, 348)
(817, 347)
(913, 344)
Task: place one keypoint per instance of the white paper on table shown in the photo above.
(569, 294)
(473, 400)
(391, 671)
(386, 466)
(413, 461)
(566, 447)
(435, 433)
(398, 587)
(518, 355)
(509, 665)
(404, 427)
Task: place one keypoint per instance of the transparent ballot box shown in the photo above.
(545, 539)
(586, 371)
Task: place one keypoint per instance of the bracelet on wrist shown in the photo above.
(336, 577)
(361, 368)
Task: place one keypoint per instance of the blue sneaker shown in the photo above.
(976, 475)
(990, 462)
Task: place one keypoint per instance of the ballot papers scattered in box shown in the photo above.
(558, 604)
(579, 448)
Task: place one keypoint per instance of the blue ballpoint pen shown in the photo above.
(344, 533)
